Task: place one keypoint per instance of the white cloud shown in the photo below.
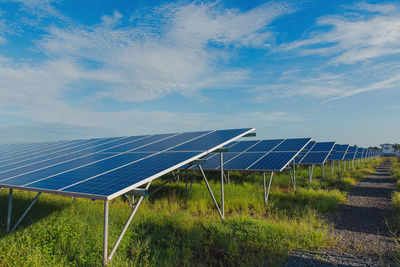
(149, 62)
(182, 50)
(354, 38)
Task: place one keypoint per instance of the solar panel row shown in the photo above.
(261, 155)
(104, 168)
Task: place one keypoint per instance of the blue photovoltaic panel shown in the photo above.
(213, 139)
(21, 161)
(295, 144)
(106, 168)
(323, 146)
(364, 152)
(61, 157)
(351, 152)
(246, 159)
(109, 183)
(214, 161)
(242, 146)
(243, 161)
(273, 161)
(338, 152)
(172, 141)
(301, 155)
(319, 153)
(49, 148)
(315, 158)
(359, 153)
(265, 145)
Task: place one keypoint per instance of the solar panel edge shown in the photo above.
(157, 175)
(55, 192)
(298, 152)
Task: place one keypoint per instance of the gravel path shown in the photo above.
(360, 226)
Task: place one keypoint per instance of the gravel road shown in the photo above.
(361, 227)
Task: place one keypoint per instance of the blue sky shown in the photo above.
(323, 69)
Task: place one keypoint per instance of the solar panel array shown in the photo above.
(318, 154)
(260, 155)
(104, 168)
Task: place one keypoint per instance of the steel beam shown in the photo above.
(9, 211)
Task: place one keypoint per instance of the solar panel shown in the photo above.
(302, 153)
(264, 155)
(359, 153)
(105, 168)
(338, 152)
(318, 154)
(351, 152)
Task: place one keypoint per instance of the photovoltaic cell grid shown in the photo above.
(105, 168)
(338, 152)
(351, 153)
(318, 154)
(359, 153)
(262, 155)
(302, 153)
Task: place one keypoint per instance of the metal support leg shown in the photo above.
(291, 179)
(294, 176)
(229, 177)
(338, 164)
(332, 166)
(105, 233)
(210, 191)
(221, 157)
(344, 165)
(121, 235)
(9, 211)
(310, 172)
(266, 193)
(323, 170)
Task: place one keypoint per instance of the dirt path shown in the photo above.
(361, 226)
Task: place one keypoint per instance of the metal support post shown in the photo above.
(210, 191)
(221, 157)
(310, 172)
(9, 211)
(294, 176)
(323, 170)
(332, 166)
(229, 177)
(344, 165)
(266, 193)
(352, 164)
(291, 179)
(105, 233)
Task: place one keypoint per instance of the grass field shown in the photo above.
(396, 203)
(173, 229)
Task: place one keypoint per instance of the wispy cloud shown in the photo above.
(369, 32)
(183, 49)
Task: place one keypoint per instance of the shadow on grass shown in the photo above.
(40, 209)
(233, 242)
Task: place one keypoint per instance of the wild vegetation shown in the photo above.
(396, 203)
(172, 228)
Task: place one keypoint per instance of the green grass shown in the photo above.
(172, 229)
(396, 204)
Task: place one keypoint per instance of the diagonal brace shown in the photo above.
(23, 214)
(211, 193)
(107, 258)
